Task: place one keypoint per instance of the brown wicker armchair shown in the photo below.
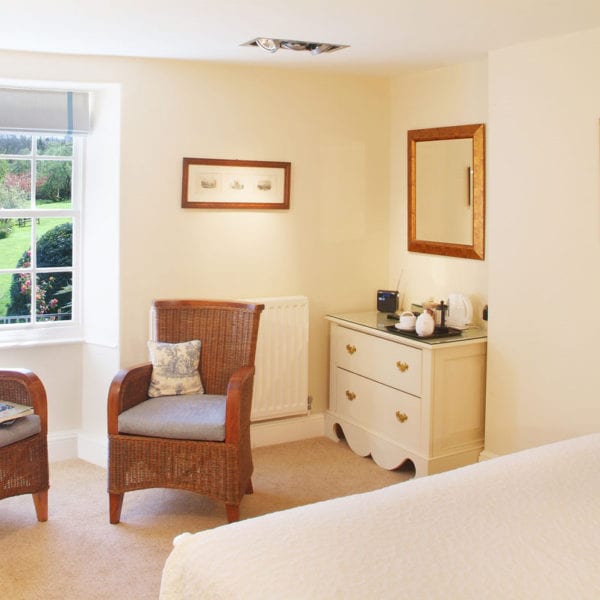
(24, 460)
(219, 469)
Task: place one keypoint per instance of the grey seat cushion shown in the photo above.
(22, 428)
(182, 417)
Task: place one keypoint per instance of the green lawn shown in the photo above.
(13, 246)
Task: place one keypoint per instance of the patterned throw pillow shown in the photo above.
(175, 369)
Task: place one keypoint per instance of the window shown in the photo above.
(40, 184)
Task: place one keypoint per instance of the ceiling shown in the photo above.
(385, 36)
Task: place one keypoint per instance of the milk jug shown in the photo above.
(425, 324)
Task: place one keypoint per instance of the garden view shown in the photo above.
(28, 226)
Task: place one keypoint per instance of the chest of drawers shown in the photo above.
(401, 399)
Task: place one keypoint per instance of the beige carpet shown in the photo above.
(78, 555)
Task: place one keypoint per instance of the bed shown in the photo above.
(525, 525)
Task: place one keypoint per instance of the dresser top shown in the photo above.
(379, 322)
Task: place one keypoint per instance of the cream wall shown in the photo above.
(455, 95)
(346, 139)
(331, 244)
(76, 372)
(540, 105)
(101, 281)
(544, 242)
(328, 246)
(59, 366)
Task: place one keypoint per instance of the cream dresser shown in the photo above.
(399, 398)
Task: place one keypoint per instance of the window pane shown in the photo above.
(55, 145)
(55, 242)
(37, 249)
(15, 298)
(53, 185)
(15, 183)
(15, 144)
(6, 227)
(15, 243)
(5, 281)
(53, 297)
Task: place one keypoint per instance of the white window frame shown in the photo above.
(51, 331)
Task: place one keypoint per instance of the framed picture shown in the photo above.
(215, 183)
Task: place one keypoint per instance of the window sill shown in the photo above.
(7, 344)
(41, 336)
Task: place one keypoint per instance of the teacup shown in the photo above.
(407, 320)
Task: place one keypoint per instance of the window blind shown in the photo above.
(47, 111)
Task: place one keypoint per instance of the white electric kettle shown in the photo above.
(460, 311)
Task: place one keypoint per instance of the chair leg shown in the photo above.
(249, 487)
(233, 512)
(116, 504)
(40, 501)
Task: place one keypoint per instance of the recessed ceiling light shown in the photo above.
(294, 45)
(267, 44)
(273, 44)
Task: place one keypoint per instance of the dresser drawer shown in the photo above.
(352, 396)
(384, 361)
(393, 414)
(397, 416)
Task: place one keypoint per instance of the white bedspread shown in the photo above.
(523, 526)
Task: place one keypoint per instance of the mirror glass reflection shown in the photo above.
(444, 198)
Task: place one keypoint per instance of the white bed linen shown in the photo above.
(523, 526)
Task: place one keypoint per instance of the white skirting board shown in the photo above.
(280, 431)
(62, 445)
(486, 455)
(94, 449)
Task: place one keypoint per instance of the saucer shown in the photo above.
(410, 328)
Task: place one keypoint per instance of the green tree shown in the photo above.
(15, 144)
(55, 146)
(54, 180)
(10, 197)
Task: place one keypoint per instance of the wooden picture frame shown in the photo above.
(473, 248)
(217, 183)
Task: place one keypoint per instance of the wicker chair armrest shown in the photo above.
(25, 387)
(239, 404)
(128, 388)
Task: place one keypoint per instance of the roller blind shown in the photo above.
(47, 111)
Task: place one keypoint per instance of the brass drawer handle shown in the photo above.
(402, 366)
(350, 395)
(350, 349)
(402, 417)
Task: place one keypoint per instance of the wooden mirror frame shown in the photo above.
(475, 250)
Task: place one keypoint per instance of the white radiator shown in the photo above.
(281, 379)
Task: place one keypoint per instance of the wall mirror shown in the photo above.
(446, 191)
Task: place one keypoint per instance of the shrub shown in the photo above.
(5, 228)
(54, 249)
(13, 196)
